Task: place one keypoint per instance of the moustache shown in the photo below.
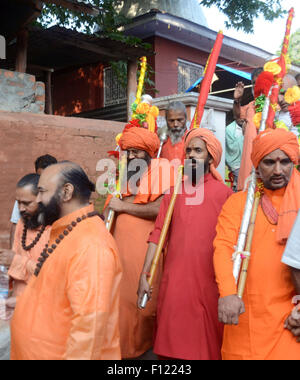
(277, 177)
(176, 130)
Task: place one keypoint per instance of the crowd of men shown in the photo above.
(78, 289)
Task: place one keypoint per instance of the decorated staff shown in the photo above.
(163, 234)
(280, 71)
(207, 80)
(144, 115)
(141, 80)
(267, 87)
(240, 251)
(118, 193)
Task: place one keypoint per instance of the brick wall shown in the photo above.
(25, 136)
(21, 93)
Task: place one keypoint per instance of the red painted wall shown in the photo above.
(81, 89)
(26, 136)
(166, 64)
(78, 90)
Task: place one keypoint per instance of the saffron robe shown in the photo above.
(71, 310)
(131, 234)
(171, 152)
(24, 262)
(260, 334)
(187, 306)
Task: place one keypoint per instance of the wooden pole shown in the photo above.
(163, 234)
(228, 90)
(244, 271)
(131, 86)
(22, 47)
(49, 103)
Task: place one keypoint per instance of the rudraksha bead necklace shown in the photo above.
(49, 250)
(35, 241)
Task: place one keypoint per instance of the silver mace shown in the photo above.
(249, 203)
(163, 138)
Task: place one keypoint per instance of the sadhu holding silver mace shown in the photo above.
(255, 309)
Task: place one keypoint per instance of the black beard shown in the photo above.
(51, 212)
(140, 170)
(31, 222)
(195, 174)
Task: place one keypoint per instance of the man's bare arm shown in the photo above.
(296, 279)
(144, 211)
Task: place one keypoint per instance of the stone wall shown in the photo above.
(25, 136)
(21, 93)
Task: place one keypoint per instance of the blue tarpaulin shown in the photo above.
(226, 68)
(236, 72)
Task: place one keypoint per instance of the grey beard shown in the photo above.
(176, 136)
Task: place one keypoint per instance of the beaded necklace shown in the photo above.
(35, 241)
(49, 250)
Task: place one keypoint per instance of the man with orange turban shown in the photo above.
(187, 308)
(255, 326)
(136, 214)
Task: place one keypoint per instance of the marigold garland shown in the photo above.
(272, 67)
(292, 95)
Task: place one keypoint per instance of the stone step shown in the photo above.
(20, 92)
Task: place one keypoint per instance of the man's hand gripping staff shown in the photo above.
(144, 293)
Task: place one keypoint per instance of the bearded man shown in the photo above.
(136, 214)
(187, 323)
(255, 326)
(30, 237)
(70, 308)
(176, 118)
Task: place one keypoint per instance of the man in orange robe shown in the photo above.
(29, 240)
(136, 214)
(30, 237)
(70, 308)
(176, 118)
(255, 326)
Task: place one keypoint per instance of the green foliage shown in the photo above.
(242, 13)
(106, 24)
(294, 49)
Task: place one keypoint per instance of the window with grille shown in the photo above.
(188, 74)
(114, 93)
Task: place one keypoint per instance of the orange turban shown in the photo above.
(272, 139)
(213, 146)
(140, 138)
(265, 143)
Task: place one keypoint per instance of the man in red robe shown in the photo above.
(187, 318)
